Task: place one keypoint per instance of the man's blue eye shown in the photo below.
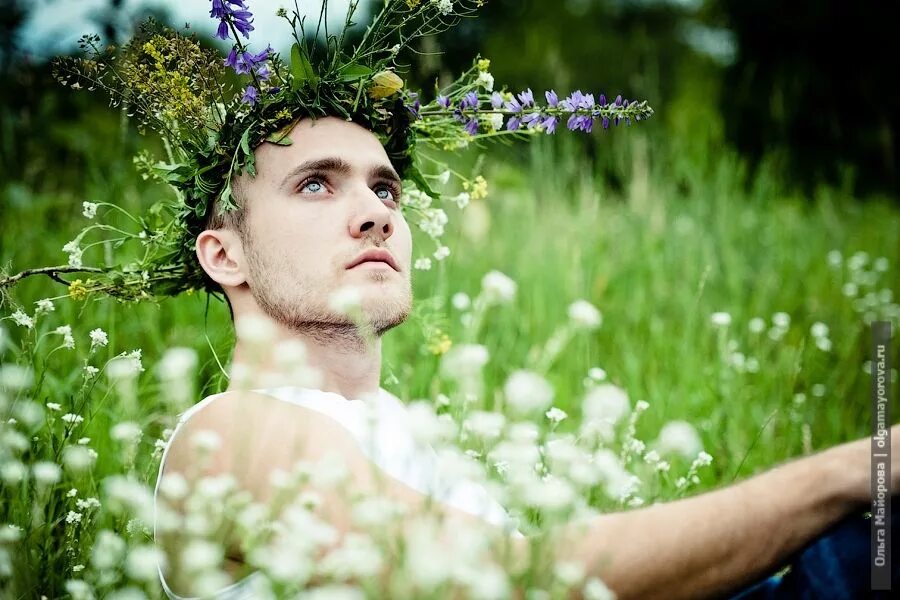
(390, 194)
(309, 183)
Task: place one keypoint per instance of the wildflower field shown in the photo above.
(584, 347)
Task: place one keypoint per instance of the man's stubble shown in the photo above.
(294, 302)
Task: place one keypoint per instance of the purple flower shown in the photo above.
(513, 105)
(605, 122)
(532, 119)
(263, 73)
(443, 101)
(619, 100)
(470, 100)
(222, 32)
(513, 123)
(250, 95)
(415, 106)
(552, 98)
(241, 20)
(275, 90)
(496, 100)
(527, 97)
(218, 10)
(550, 124)
(232, 59)
(602, 99)
(472, 126)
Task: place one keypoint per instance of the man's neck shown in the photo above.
(349, 367)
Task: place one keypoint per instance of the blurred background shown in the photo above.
(765, 184)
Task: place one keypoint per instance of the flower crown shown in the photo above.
(211, 113)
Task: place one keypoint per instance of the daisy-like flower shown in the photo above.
(44, 306)
(556, 415)
(89, 209)
(441, 253)
(422, 264)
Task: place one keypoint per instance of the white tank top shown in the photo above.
(387, 442)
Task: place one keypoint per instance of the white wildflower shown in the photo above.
(527, 393)
(44, 306)
(585, 315)
(177, 363)
(834, 258)
(463, 361)
(445, 6)
(781, 320)
(462, 199)
(79, 590)
(595, 589)
(108, 550)
(98, 338)
(556, 415)
(720, 319)
(432, 221)
(206, 440)
(819, 329)
(444, 177)
(486, 80)
(73, 517)
(72, 493)
(422, 264)
(142, 563)
(20, 318)
(72, 418)
(497, 288)
(127, 432)
(66, 332)
(823, 344)
(461, 301)
(606, 402)
(90, 371)
(89, 209)
(13, 472)
(679, 437)
(78, 458)
(596, 374)
(15, 377)
(46, 473)
(756, 324)
(485, 425)
(441, 253)
(496, 121)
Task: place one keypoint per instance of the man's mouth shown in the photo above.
(375, 256)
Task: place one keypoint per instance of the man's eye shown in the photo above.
(393, 192)
(312, 182)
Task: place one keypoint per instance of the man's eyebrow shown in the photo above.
(338, 165)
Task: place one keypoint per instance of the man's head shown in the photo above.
(312, 210)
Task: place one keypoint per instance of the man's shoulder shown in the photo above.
(249, 433)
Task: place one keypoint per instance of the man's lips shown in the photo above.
(375, 255)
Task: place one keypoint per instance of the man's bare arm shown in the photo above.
(717, 542)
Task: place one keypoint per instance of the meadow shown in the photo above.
(728, 301)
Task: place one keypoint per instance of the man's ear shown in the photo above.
(221, 254)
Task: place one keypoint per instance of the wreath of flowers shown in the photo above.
(211, 114)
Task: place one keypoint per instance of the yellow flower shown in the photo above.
(440, 343)
(77, 290)
(479, 188)
(189, 291)
(412, 3)
(484, 64)
(384, 84)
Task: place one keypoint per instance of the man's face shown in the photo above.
(314, 208)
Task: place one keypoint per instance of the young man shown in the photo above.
(321, 217)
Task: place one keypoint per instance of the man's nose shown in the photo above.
(372, 218)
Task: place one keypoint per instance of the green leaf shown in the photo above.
(245, 142)
(420, 181)
(301, 69)
(354, 71)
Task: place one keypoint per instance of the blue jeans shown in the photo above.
(833, 566)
